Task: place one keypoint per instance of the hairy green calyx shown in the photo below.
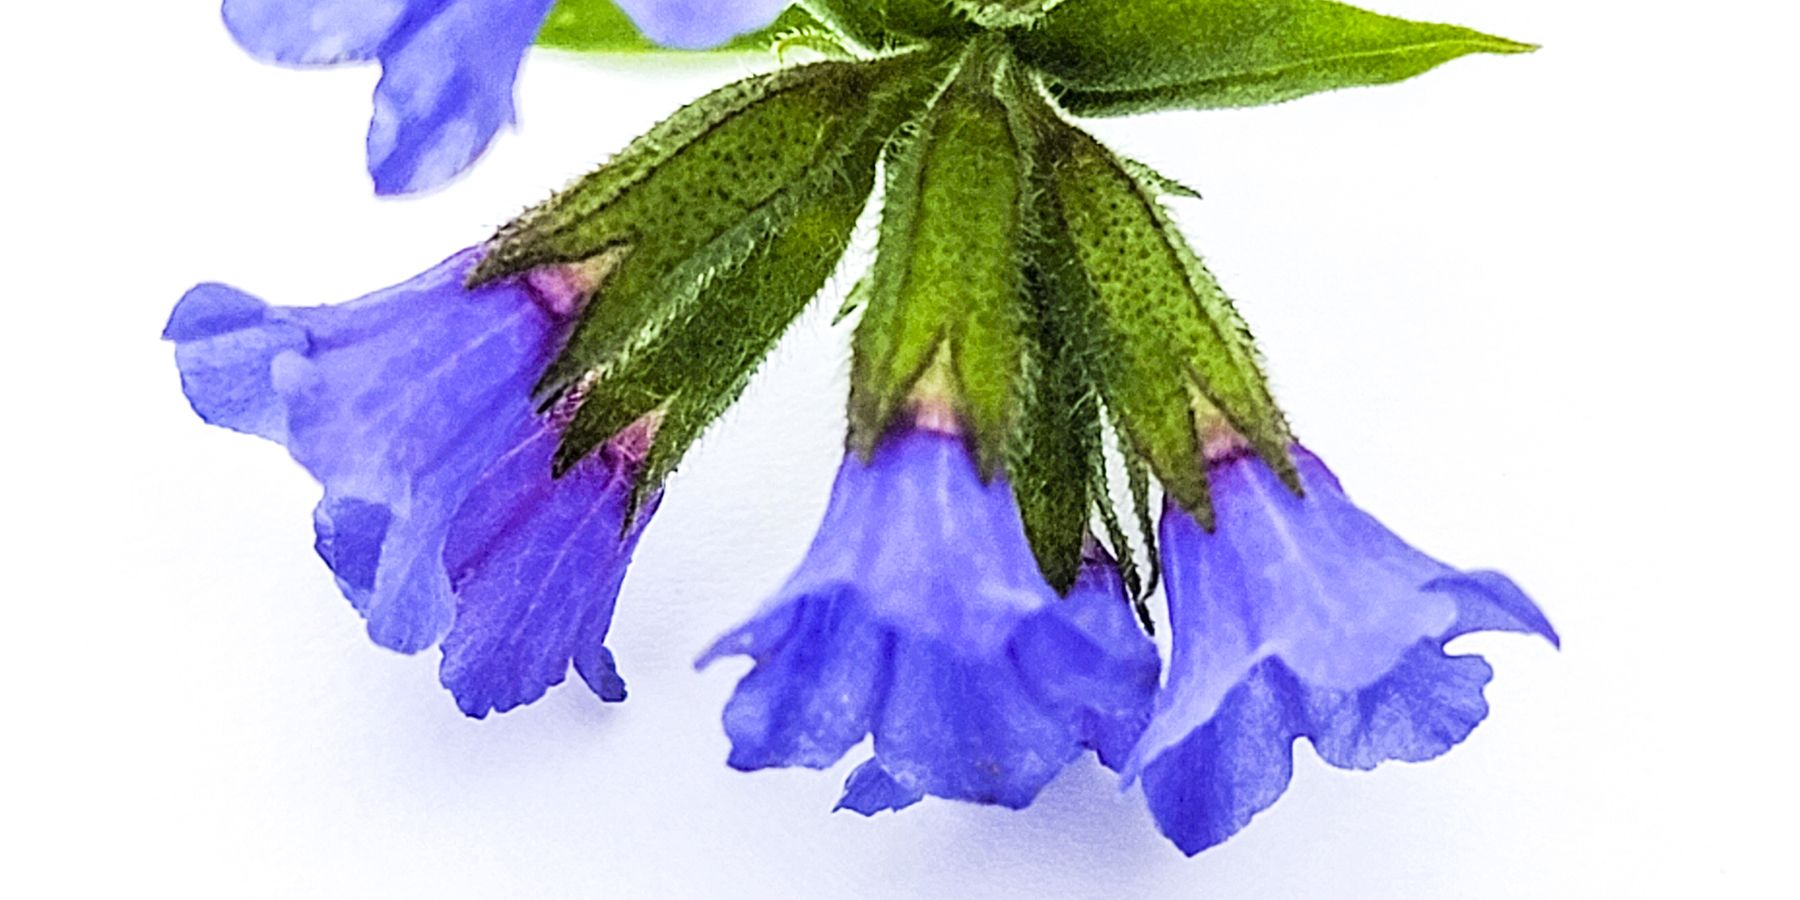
(946, 287)
(1026, 278)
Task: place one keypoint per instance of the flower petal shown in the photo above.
(446, 89)
(817, 681)
(919, 616)
(1305, 618)
(1312, 580)
(405, 397)
(1429, 703)
(930, 547)
(870, 789)
(1207, 786)
(316, 32)
(1088, 653)
(1341, 592)
(226, 343)
(394, 402)
(968, 730)
(1490, 601)
(536, 566)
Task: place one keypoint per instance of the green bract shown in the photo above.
(1027, 280)
(946, 287)
(721, 218)
(1168, 343)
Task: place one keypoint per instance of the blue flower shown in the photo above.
(698, 24)
(919, 617)
(1305, 617)
(413, 407)
(447, 65)
(447, 70)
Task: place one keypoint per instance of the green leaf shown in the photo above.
(947, 285)
(599, 26)
(662, 185)
(1057, 461)
(1111, 57)
(698, 366)
(1061, 476)
(1057, 464)
(1163, 185)
(1168, 344)
(696, 195)
(697, 363)
(711, 204)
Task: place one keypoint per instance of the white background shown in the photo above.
(1537, 311)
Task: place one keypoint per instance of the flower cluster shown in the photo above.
(494, 435)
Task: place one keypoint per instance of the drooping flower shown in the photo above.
(919, 616)
(448, 66)
(1305, 617)
(412, 407)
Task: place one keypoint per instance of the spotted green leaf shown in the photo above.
(698, 366)
(1169, 342)
(698, 361)
(697, 195)
(1056, 463)
(946, 287)
(729, 202)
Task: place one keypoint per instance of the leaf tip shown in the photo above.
(1510, 47)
